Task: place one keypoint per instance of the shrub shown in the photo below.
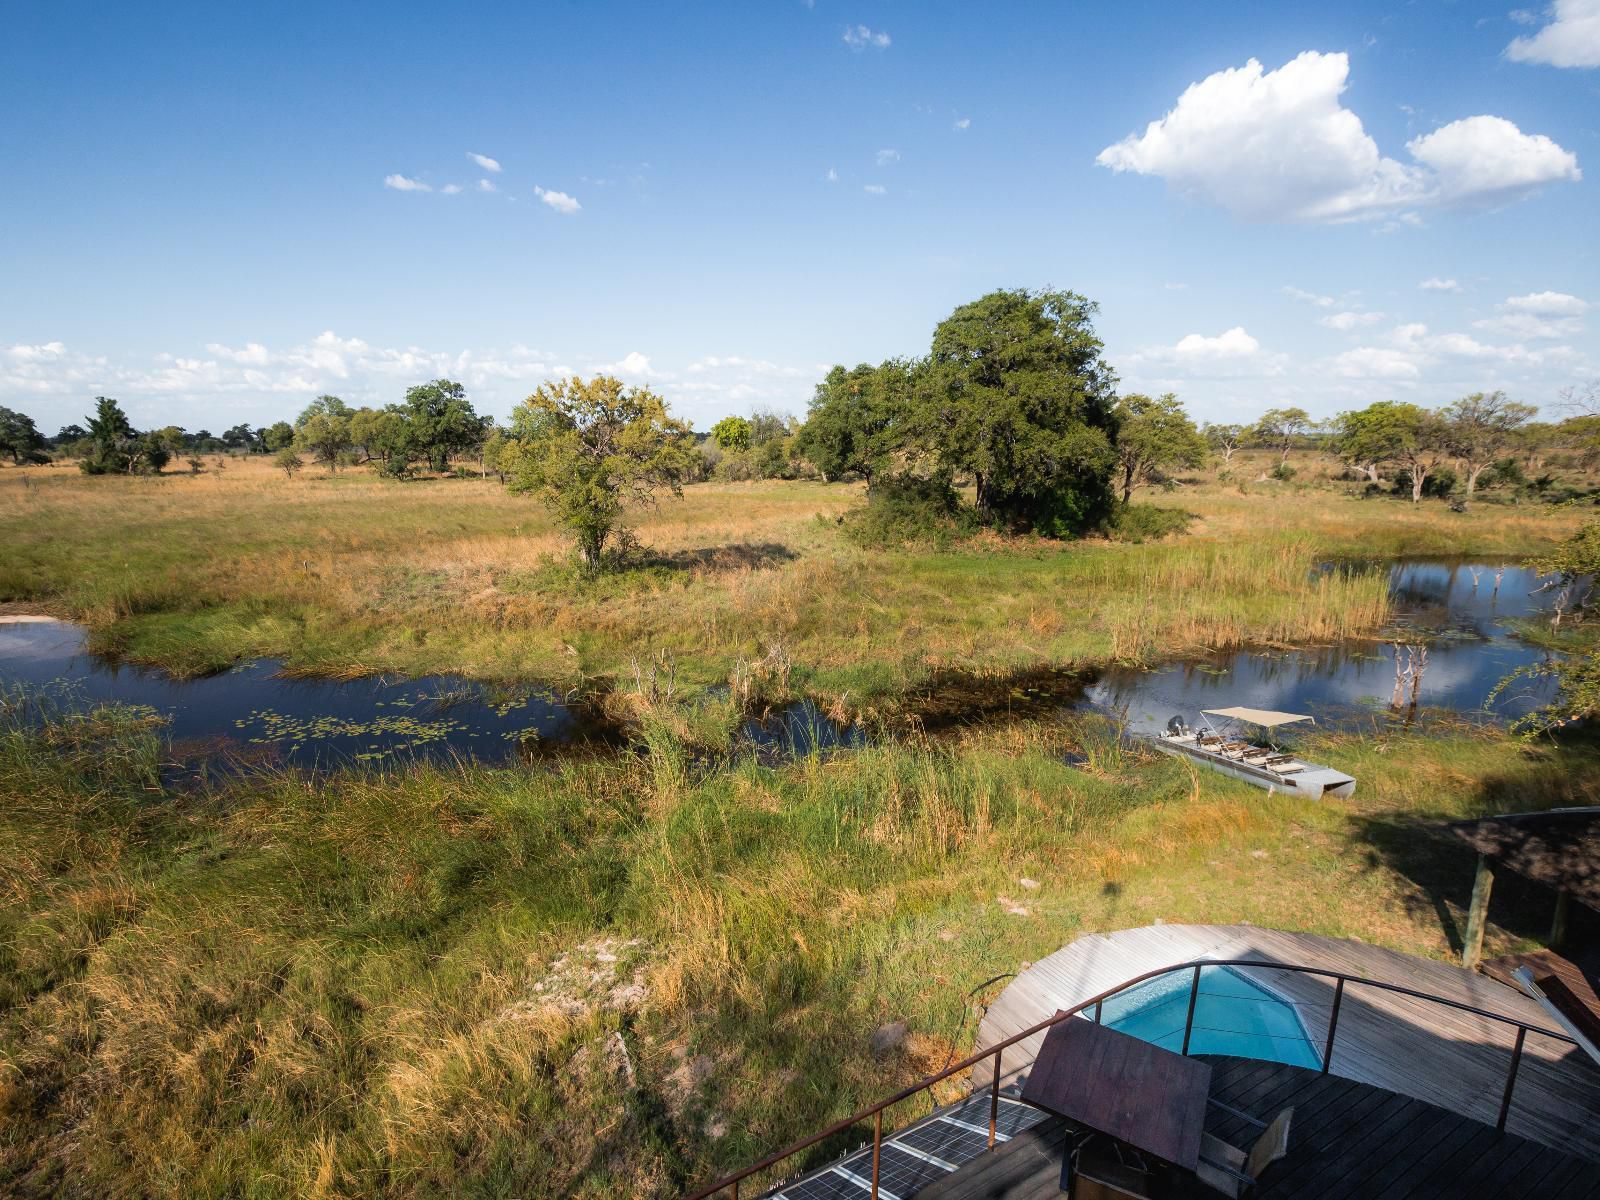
(1145, 522)
(1439, 484)
(910, 510)
(1283, 472)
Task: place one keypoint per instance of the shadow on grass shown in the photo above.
(1442, 866)
(741, 556)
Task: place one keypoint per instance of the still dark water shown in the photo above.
(252, 714)
(1465, 620)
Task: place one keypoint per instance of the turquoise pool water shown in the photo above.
(1231, 1016)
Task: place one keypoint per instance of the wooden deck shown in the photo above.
(1429, 1052)
(1347, 1140)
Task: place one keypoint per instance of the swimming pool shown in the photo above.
(1232, 1015)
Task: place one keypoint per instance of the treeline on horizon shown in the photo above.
(1014, 398)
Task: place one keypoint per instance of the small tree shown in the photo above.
(1482, 428)
(732, 433)
(19, 438)
(324, 429)
(277, 436)
(1154, 435)
(115, 447)
(1223, 439)
(590, 450)
(287, 461)
(1279, 427)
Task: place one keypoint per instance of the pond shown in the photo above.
(254, 714)
(1465, 613)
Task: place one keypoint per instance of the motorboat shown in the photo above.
(1221, 743)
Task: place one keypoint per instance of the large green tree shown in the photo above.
(1397, 433)
(20, 438)
(859, 419)
(1020, 398)
(1482, 428)
(590, 450)
(441, 422)
(1153, 435)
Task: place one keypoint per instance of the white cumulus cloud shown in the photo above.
(964, 123)
(832, 176)
(1439, 285)
(874, 189)
(885, 157)
(1572, 39)
(559, 201)
(1234, 343)
(1306, 297)
(451, 189)
(1280, 146)
(253, 354)
(1550, 304)
(483, 160)
(487, 185)
(403, 183)
(1540, 316)
(1375, 362)
(42, 352)
(1346, 321)
(859, 37)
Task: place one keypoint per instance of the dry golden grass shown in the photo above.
(352, 574)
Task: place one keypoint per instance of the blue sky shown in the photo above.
(215, 213)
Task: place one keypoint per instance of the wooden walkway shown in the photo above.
(1430, 1052)
(1347, 1140)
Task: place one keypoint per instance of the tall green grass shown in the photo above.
(614, 976)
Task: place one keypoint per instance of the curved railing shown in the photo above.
(730, 1183)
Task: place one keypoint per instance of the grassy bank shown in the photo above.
(354, 574)
(618, 977)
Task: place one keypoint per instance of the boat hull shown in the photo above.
(1312, 780)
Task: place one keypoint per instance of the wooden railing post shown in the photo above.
(1097, 1005)
(877, 1146)
(735, 1189)
(1477, 914)
(1333, 1024)
(1194, 994)
(994, 1097)
(1511, 1078)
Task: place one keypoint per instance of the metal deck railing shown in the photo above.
(1341, 980)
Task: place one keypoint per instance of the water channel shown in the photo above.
(1465, 614)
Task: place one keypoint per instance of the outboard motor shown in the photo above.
(1177, 727)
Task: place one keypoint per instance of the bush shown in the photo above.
(1439, 484)
(1283, 472)
(396, 466)
(1145, 522)
(909, 510)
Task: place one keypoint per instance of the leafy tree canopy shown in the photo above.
(1482, 427)
(1020, 397)
(732, 433)
(1153, 435)
(858, 420)
(19, 437)
(441, 421)
(589, 450)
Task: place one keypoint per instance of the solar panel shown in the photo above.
(1011, 1119)
(944, 1140)
(902, 1173)
(828, 1186)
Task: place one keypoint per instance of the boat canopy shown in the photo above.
(1257, 716)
